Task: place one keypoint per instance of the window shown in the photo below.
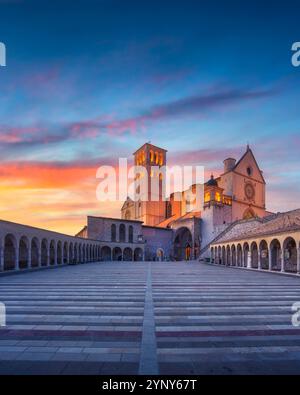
(207, 197)
(122, 233)
(249, 171)
(218, 197)
(113, 232)
(130, 234)
(151, 156)
(161, 159)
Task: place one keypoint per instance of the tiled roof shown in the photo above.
(268, 226)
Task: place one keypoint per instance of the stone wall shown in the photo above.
(157, 239)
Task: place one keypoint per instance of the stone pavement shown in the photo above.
(130, 318)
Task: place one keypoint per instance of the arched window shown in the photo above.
(130, 234)
(122, 233)
(113, 233)
(207, 197)
(151, 156)
(161, 159)
(218, 197)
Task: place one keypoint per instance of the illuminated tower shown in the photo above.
(152, 208)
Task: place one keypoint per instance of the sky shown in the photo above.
(87, 82)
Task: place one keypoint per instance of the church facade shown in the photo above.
(169, 228)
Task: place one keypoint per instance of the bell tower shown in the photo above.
(152, 208)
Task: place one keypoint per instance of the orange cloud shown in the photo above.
(51, 196)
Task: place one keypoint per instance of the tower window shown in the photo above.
(207, 197)
(151, 156)
(161, 159)
(249, 171)
(218, 197)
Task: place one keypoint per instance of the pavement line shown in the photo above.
(148, 359)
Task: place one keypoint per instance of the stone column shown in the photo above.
(55, 255)
(282, 260)
(298, 260)
(270, 259)
(29, 256)
(17, 263)
(48, 257)
(259, 259)
(39, 257)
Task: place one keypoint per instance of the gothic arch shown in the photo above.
(10, 246)
(35, 252)
(183, 244)
(275, 248)
(113, 233)
(44, 252)
(290, 255)
(23, 253)
(117, 254)
(122, 233)
(138, 254)
(105, 253)
(127, 254)
(264, 255)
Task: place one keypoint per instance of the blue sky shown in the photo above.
(89, 81)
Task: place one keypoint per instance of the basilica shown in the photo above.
(173, 229)
(229, 226)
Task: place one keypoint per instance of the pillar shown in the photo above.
(270, 258)
(298, 260)
(48, 256)
(17, 263)
(55, 254)
(40, 257)
(282, 260)
(29, 256)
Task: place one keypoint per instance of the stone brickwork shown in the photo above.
(158, 243)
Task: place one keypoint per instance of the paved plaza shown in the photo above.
(149, 318)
